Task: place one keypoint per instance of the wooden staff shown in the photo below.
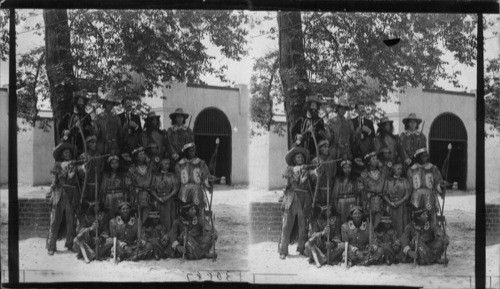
(416, 251)
(328, 214)
(96, 215)
(114, 249)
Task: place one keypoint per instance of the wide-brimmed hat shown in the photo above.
(343, 103)
(420, 151)
(290, 155)
(60, 148)
(110, 97)
(177, 112)
(81, 94)
(315, 98)
(152, 114)
(410, 117)
(188, 146)
(383, 120)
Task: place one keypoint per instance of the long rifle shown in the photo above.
(370, 232)
(185, 241)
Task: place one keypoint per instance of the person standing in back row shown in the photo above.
(178, 134)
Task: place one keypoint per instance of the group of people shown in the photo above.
(127, 191)
(361, 196)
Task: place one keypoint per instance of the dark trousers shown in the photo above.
(62, 208)
(295, 211)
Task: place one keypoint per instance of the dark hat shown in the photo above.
(177, 112)
(383, 120)
(410, 117)
(110, 97)
(60, 148)
(188, 146)
(152, 114)
(290, 155)
(343, 103)
(81, 94)
(315, 98)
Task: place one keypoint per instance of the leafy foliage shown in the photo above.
(4, 34)
(492, 96)
(118, 48)
(346, 56)
(157, 45)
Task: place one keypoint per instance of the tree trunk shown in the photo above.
(58, 64)
(293, 72)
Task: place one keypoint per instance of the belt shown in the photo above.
(112, 192)
(325, 188)
(346, 196)
(301, 190)
(90, 184)
(69, 186)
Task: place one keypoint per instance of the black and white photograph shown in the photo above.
(267, 146)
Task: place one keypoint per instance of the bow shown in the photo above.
(213, 165)
(444, 174)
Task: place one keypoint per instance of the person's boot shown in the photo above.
(51, 252)
(282, 256)
(211, 255)
(443, 260)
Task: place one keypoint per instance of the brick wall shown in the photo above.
(34, 218)
(266, 221)
(493, 222)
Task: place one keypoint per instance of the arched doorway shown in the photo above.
(210, 124)
(449, 128)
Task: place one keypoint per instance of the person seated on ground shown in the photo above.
(356, 232)
(157, 235)
(192, 237)
(323, 237)
(297, 202)
(431, 240)
(125, 228)
(86, 241)
(63, 196)
(387, 238)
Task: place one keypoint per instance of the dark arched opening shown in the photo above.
(210, 124)
(445, 129)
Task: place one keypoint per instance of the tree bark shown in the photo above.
(293, 72)
(59, 64)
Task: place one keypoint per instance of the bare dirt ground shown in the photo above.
(231, 212)
(460, 208)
